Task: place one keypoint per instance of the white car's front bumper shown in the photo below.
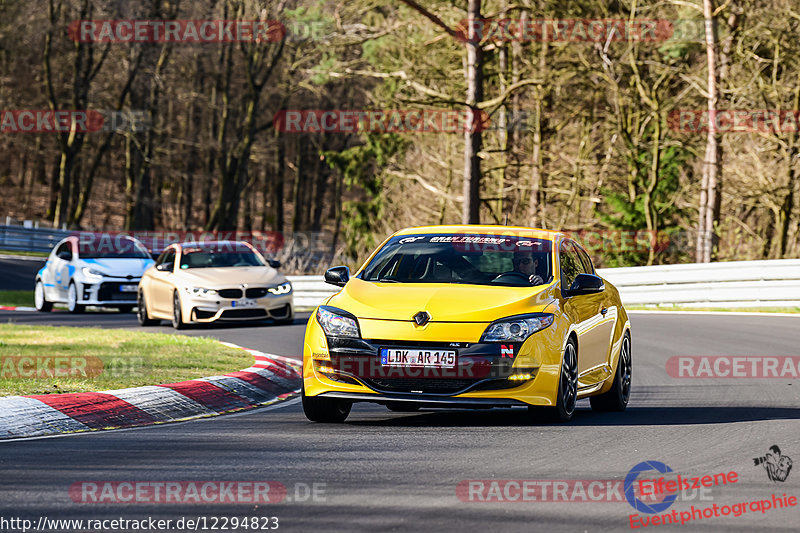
(109, 292)
(210, 310)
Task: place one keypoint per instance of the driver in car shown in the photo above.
(526, 264)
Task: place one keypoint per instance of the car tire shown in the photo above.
(327, 410)
(616, 399)
(403, 407)
(125, 308)
(72, 300)
(40, 300)
(567, 389)
(141, 313)
(177, 313)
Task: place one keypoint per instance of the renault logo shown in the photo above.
(422, 318)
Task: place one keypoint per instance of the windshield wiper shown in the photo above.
(387, 280)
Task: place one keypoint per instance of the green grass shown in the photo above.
(109, 358)
(27, 254)
(721, 309)
(16, 298)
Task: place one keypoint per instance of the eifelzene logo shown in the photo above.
(777, 466)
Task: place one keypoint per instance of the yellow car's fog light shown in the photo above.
(523, 374)
(331, 373)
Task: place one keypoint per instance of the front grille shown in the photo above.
(441, 386)
(244, 313)
(256, 292)
(230, 293)
(110, 292)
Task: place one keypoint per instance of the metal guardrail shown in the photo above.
(772, 283)
(30, 239)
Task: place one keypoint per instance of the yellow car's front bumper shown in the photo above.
(493, 374)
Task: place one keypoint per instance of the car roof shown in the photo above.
(485, 229)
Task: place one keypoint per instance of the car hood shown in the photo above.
(220, 278)
(121, 267)
(445, 302)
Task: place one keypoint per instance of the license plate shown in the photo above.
(415, 357)
(128, 288)
(243, 303)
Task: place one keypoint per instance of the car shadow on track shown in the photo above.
(633, 416)
(210, 326)
(300, 319)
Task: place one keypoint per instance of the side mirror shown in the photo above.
(66, 255)
(586, 284)
(338, 276)
(274, 263)
(164, 267)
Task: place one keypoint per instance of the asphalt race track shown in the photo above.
(19, 274)
(386, 471)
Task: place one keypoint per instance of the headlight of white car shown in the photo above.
(90, 272)
(201, 292)
(516, 328)
(283, 288)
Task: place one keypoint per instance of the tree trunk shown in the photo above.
(470, 213)
(280, 178)
(710, 211)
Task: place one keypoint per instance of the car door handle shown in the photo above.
(603, 311)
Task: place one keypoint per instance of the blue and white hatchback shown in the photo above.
(103, 274)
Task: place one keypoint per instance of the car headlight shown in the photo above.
(335, 323)
(201, 292)
(90, 272)
(283, 288)
(516, 328)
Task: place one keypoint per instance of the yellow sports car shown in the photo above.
(469, 316)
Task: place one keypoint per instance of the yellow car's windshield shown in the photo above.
(462, 258)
